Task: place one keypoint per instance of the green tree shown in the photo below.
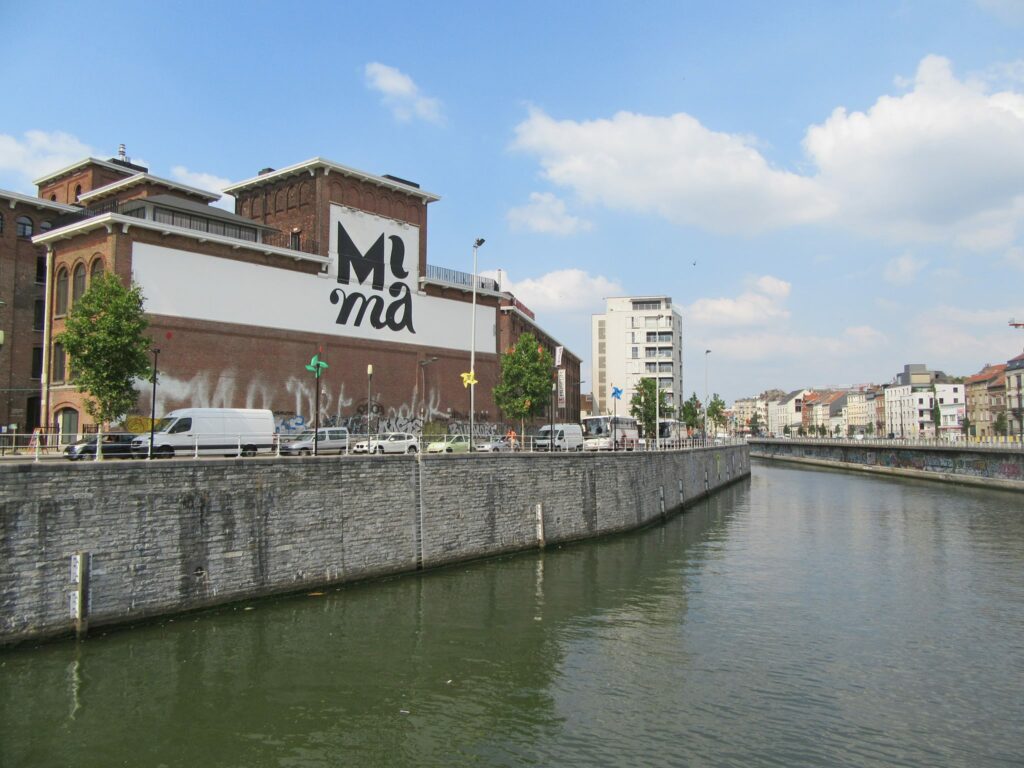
(690, 412)
(869, 429)
(786, 430)
(716, 412)
(524, 386)
(1000, 426)
(936, 412)
(103, 339)
(641, 407)
(755, 424)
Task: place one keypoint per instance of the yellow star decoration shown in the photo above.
(468, 378)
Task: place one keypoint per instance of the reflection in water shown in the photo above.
(801, 618)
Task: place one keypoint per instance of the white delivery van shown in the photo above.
(224, 431)
(568, 437)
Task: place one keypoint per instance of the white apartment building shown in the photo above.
(908, 409)
(786, 412)
(744, 410)
(637, 337)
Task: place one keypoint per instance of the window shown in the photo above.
(78, 192)
(39, 315)
(639, 306)
(181, 425)
(23, 226)
(62, 292)
(1, 223)
(650, 351)
(651, 367)
(96, 270)
(37, 362)
(77, 284)
(40, 269)
(59, 363)
(46, 226)
(636, 352)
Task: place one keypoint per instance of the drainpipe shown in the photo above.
(44, 407)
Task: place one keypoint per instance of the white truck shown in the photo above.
(204, 431)
(568, 437)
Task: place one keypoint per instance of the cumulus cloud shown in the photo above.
(401, 95)
(562, 291)
(547, 214)
(943, 161)
(206, 181)
(38, 153)
(903, 269)
(763, 302)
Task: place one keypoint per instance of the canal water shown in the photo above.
(799, 618)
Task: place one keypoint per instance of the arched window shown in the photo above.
(45, 226)
(59, 366)
(77, 283)
(23, 226)
(96, 270)
(78, 192)
(1, 223)
(61, 307)
(53, 198)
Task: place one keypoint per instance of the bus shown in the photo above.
(607, 433)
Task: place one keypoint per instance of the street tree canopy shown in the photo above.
(524, 385)
(691, 412)
(107, 351)
(716, 410)
(641, 407)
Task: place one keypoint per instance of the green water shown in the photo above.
(799, 618)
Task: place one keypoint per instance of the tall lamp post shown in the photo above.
(472, 350)
(152, 405)
(706, 401)
(369, 400)
(423, 378)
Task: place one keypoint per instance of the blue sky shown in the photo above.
(848, 177)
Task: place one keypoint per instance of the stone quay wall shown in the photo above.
(964, 464)
(97, 543)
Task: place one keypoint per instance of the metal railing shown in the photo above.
(455, 277)
(1012, 443)
(292, 241)
(125, 208)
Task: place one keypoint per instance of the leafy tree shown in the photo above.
(103, 339)
(786, 430)
(641, 407)
(524, 386)
(837, 430)
(755, 424)
(716, 411)
(800, 431)
(869, 429)
(1000, 426)
(690, 412)
(966, 426)
(936, 412)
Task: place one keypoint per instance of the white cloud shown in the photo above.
(38, 153)
(401, 95)
(547, 214)
(775, 346)
(562, 291)
(762, 303)
(902, 270)
(672, 166)
(206, 181)
(942, 162)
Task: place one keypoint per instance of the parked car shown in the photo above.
(329, 440)
(450, 444)
(115, 445)
(497, 445)
(390, 442)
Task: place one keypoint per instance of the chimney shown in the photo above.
(121, 154)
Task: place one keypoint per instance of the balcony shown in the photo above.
(462, 279)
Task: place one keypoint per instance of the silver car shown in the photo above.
(390, 442)
(497, 445)
(328, 440)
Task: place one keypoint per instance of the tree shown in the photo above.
(716, 411)
(755, 424)
(786, 430)
(936, 412)
(869, 429)
(524, 386)
(1000, 426)
(641, 407)
(690, 412)
(103, 339)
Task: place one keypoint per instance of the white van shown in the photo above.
(225, 431)
(568, 437)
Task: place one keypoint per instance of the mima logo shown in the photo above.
(397, 315)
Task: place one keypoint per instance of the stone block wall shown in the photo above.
(165, 537)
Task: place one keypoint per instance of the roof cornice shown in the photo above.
(112, 221)
(37, 202)
(142, 178)
(80, 164)
(312, 165)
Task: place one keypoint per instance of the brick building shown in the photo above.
(316, 257)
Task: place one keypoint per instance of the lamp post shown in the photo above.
(706, 401)
(551, 434)
(472, 350)
(152, 405)
(369, 400)
(423, 378)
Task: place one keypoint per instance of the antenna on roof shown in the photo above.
(122, 155)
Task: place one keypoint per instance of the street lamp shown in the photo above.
(152, 406)
(369, 385)
(551, 434)
(472, 350)
(706, 401)
(423, 378)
